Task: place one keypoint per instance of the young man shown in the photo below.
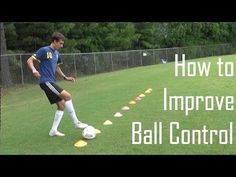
(49, 61)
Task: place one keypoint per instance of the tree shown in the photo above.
(10, 35)
(119, 36)
(87, 36)
(31, 36)
(5, 72)
(151, 35)
(65, 29)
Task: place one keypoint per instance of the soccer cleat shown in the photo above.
(56, 133)
(81, 125)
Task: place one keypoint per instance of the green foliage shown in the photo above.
(150, 35)
(31, 36)
(10, 34)
(112, 36)
(70, 46)
(64, 28)
(120, 36)
(86, 35)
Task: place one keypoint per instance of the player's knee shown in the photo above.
(61, 105)
(68, 97)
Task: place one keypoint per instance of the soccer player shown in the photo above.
(49, 60)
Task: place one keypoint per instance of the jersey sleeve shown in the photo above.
(39, 55)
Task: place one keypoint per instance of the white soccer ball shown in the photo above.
(89, 132)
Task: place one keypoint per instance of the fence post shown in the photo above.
(21, 69)
(111, 63)
(94, 59)
(75, 70)
(166, 55)
(154, 59)
(141, 57)
(127, 59)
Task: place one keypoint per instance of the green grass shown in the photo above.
(27, 116)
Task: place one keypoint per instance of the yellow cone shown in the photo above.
(107, 122)
(97, 131)
(141, 95)
(80, 143)
(118, 114)
(148, 91)
(132, 102)
(125, 108)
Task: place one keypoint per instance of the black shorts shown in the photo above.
(52, 91)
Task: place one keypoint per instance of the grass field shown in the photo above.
(27, 116)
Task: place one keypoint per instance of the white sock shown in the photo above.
(57, 119)
(71, 111)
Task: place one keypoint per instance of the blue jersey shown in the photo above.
(48, 59)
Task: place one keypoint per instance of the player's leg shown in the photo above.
(57, 119)
(52, 92)
(70, 109)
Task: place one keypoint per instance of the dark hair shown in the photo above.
(57, 36)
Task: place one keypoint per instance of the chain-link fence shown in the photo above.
(78, 64)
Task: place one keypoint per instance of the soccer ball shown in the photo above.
(89, 132)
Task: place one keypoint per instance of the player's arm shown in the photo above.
(59, 71)
(30, 63)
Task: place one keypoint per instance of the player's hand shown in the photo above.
(36, 73)
(70, 79)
